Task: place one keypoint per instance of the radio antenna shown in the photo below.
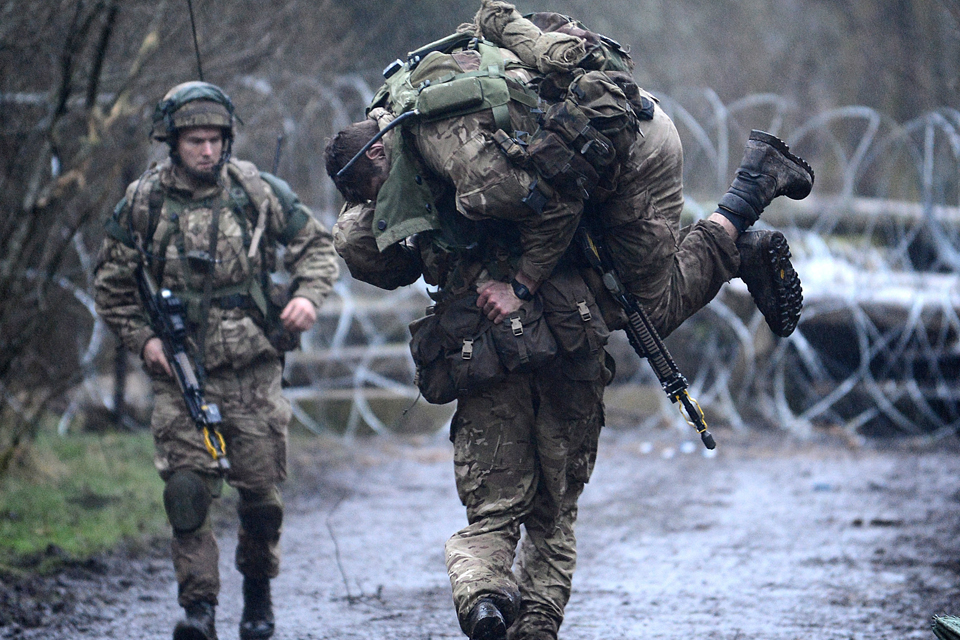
(196, 43)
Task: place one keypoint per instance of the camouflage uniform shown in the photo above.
(243, 367)
(523, 449)
(674, 272)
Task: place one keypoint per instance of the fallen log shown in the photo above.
(841, 214)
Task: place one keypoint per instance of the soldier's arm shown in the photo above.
(115, 293)
(544, 237)
(309, 258)
(396, 266)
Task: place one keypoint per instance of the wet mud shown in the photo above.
(769, 539)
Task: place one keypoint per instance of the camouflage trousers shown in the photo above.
(674, 272)
(523, 450)
(255, 418)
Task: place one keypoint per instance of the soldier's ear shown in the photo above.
(376, 151)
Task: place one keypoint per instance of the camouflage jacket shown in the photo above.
(424, 254)
(449, 173)
(235, 336)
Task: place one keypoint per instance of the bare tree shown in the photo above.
(56, 178)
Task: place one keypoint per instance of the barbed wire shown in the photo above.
(877, 246)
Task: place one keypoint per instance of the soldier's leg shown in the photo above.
(567, 430)
(495, 470)
(767, 170)
(186, 499)
(256, 416)
(191, 484)
(258, 558)
(673, 276)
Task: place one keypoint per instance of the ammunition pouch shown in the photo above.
(457, 349)
(564, 169)
(576, 322)
(590, 125)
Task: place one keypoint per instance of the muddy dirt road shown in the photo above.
(769, 539)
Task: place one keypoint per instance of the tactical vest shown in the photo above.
(248, 200)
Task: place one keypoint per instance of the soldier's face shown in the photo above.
(199, 149)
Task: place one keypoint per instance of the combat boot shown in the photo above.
(199, 623)
(773, 283)
(256, 623)
(767, 170)
(486, 622)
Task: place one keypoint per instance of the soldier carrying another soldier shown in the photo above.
(205, 228)
(501, 142)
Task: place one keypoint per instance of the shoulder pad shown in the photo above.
(114, 229)
(297, 216)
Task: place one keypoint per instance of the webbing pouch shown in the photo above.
(565, 170)
(468, 345)
(523, 340)
(575, 320)
(433, 371)
(568, 120)
(438, 100)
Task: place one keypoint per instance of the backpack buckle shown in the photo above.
(516, 326)
(584, 310)
(466, 352)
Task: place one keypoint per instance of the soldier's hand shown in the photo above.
(298, 315)
(498, 300)
(154, 359)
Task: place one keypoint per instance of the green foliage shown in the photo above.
(79, 495)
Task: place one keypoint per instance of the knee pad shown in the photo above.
(186, 499)
(261, 512)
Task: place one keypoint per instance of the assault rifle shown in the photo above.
(167, 314)
(645, 340)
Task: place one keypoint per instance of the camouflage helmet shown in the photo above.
(192, 104)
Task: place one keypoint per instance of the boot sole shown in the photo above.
(247, 633)
(787, 287)
(489, 629)
(189, 634)
(782, 147)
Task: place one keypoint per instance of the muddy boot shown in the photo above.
(486, 622)
(767, 170)
(771, 279)
(199, 623)
(256, 623)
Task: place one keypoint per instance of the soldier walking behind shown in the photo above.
(207, 228)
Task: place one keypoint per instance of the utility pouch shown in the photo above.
(605, 105)
(468, 345)
(566, 119)
(437, 100)
(565, 170)
(643, 103)
(433, 371)
(573, 315)
(511, 147)
(523, 340)
(614, 317)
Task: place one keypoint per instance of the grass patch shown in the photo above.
(72, 497)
